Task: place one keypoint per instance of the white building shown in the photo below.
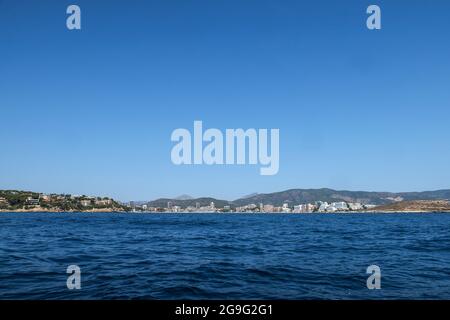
(323, 206)
(32, 201)
(340, 206)
(85, 203)
(286, 208)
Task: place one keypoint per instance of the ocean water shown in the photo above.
(224, 256)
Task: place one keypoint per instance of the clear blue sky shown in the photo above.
(92, 111)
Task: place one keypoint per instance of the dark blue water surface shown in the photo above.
(224, 256)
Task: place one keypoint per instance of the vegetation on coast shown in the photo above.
(14, 200)
(415, 206)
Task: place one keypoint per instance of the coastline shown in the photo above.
(111, 210)
(222, 213)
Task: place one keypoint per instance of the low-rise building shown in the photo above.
(86, 202)
(45, 197)
(32, 201)
(103, 202)
(4, 201)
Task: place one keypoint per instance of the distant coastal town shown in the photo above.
(25, 201)
(30, 201)
(318, 206)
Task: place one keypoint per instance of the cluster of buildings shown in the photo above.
(318, 206)
(173, 208)
(85, 201)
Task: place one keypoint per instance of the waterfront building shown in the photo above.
(323, 206)
(340, 206)
(286, 208)
(355, 206)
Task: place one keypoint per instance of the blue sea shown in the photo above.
(224, 256)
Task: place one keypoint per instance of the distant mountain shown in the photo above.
(250, 195)
(297, 196)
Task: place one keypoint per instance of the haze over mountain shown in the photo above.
(184, 197)
(249, 195)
